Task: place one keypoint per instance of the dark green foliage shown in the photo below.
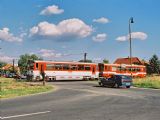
(87, 61)
(106, 61)
(23, 61)
(154, 65)
(2, 64)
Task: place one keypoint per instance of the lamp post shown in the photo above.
(130, 42)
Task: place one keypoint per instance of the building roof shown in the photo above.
(9, 66)
(135, 60)
(6, 67)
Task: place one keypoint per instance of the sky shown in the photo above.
(63, 30)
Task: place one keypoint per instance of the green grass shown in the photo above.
(147, 82)
(12, 88)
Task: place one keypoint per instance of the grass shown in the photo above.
(11, 88)
(147, 82)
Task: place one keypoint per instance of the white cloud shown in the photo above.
(134, 35)
(102, 20)
(121, 38)
(139, 35)
(47, 53)
(99, 37)
(50, 10)
(72, 28)
(6, 59)
(5, 35)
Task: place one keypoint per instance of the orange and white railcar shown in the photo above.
(63, 70)
(106, 70)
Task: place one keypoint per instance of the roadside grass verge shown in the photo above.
(11, 88)
(147, 82)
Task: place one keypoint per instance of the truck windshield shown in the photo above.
(126, 77)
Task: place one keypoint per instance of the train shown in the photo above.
(80, 70)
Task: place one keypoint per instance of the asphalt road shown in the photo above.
(84, 100)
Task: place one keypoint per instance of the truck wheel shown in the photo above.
(100, 83)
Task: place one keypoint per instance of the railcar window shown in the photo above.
(134, 69)
(73, 67)
(121, 68)
(129, 69)
(36, 65)
(65, 67)
(87, 68)
(114, 68)
(138, 69)
(58, 67)
(80, 67)
(50, 67)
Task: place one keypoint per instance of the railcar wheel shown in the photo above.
(116, 85)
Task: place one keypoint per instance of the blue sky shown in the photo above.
(64, 29)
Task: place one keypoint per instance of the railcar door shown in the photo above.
(93, 70)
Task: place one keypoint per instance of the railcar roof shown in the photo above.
(74, 62)
(133, 65)
(69, 62)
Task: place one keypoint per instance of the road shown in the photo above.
(84, 100)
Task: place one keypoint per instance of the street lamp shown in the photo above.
(130, 42)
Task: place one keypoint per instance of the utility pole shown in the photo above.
(85, 55)
(43, 75)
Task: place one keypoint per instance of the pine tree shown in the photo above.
(154, 65)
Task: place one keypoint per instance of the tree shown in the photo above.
(106, 61)
(154, 65)
(2, 64)
(23, 61)
(87, 61)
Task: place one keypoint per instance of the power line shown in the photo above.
(72, 54)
